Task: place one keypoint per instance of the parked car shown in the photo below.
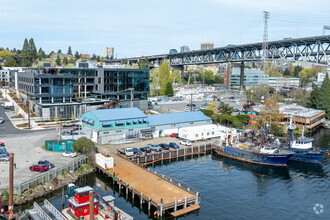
(174, 135)
(69, 154)
(47, 163)
(174, 145)
(68, 124)
(145, 149)
(39, 168)
(77, 127)
(155, 147)
(185, 142)
(65, 133)
(2, 144)
(164, 146)
(73, 132)
(137, 151)
(193, 105)
(4, 151)
(129, 152)
(187, 110)
(4, 157)
(1, 120)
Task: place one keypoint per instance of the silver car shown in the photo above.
(1, 120)
(4, 157)
(155, 147)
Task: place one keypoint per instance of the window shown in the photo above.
(191, 123)
(80, 210)
(106, 132)
(208, 133)
(81, 195)
(213, 133)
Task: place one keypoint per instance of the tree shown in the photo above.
(313, 98)
(169, 89)
(164, 76)
(85, 146)
(143, 64)
(207, 112)
(51, 54)
(58, 60)
(59, 51)
(270, 112)
(244, 119)
(77, 55)
(32, 50)
(286, 73)
(69, 51)
(225, 108)
(297, 69)
(4, 54)
(10, 62)
(65, 61)
(323, 97)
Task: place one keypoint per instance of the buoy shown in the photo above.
(155, 213)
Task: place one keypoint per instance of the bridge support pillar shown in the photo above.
(241, 82)
(228, 75)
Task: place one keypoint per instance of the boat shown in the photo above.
(326, 124)
(79, 203)
(303, 148)
(257, 151)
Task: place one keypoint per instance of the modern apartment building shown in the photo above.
(283, 83)
(184, 48)
(252, 77)
(109, 52)
(70, 92)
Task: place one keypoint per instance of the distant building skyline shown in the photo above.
(207, 45)
(109, 52)
(184, 48)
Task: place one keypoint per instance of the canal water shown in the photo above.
(231, 189)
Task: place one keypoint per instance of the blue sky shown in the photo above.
(146, 27)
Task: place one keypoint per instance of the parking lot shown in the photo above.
(159, 140)
(27, 151)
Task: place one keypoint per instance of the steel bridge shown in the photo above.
(309, 49)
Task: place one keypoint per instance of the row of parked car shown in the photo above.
(155, 147)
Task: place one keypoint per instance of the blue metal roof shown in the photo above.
(175, 118)
(118, 114)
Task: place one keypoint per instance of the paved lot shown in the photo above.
(27, 150)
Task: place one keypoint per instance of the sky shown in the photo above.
(150, 27)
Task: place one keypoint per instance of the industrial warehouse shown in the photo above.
(125, 125)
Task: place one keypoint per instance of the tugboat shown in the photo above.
(79, 203)
(303, 148)
(253, 150)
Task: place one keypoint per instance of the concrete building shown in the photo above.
(301, 116)
(109, 52)
(283, 83)
(69, 92)
(207, 45)
(5, 76)
(115, 126)
(252, 77)
(184, 48)
(320, 77)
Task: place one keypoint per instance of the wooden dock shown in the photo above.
(159, 191)
(170, 154)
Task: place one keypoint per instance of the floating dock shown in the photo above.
(153, 189)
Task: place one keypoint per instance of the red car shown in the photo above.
(174, 135)
(39, 168)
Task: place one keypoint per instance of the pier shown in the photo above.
(166, 194)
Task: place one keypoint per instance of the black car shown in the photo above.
(164, 146)
(47, 163)
(137, 151)
(145, 149)
(73, 132)
(193, 105)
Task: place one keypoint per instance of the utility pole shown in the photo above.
(265, 40)
(28, 106)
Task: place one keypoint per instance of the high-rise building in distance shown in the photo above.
(184, 48)
(109, 52)
(207, 45)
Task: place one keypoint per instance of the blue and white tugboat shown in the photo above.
(303, 148)
(254, 150)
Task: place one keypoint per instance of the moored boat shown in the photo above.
(256, 151)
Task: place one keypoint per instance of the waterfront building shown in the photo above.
(283, 83)
(124, 125)
(109, 52)
(301, 116)
(69, 92)
(252, 77)
(207, 45)
(184, 48)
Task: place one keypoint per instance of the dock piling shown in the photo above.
(175, 205)
(197, 195)
(133, 195)
(141, 200)
(149, 205)
(126, 190)
(185, 202)
(119, 187)
(161, 208)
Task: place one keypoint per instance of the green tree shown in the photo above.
(207, 112)
(286, 73)
(4, 54)
(58, 60)
(164, 76)
(77, 55)
(244, 119)
(51, 53)
(69, 51)
(313, 98)
(32, 50)
(59, 51)
(225, 108)
(85, 146)
(169, 89)
(65, 61)
(10, 62)
(323, 98)
(143, 64)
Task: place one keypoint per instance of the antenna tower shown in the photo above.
(265, 42)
